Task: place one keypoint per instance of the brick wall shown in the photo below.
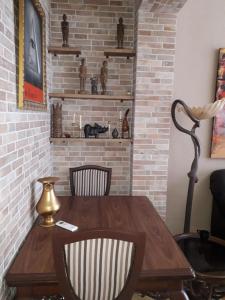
(93, 29)
(24, 151)
(156, 40)
(24, 145)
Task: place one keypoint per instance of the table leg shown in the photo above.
(179, 295)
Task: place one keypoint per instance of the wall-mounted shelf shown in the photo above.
(60, 141)
(119, 52)
(89, 96)
(64, 50)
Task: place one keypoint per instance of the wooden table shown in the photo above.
(164, 266)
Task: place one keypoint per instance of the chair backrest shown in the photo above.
(90, 180)
(98, 264)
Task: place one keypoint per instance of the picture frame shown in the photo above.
(218, 134)
(32, 56)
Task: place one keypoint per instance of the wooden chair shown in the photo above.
(98, 264)
(90, 180)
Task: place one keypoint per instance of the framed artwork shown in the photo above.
(32, 56)
(218, 135)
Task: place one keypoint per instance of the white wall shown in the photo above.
(200, 32)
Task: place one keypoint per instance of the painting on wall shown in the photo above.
(218, 136)
(32, 56)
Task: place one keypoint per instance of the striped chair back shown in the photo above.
(99, 264)
(90, 180)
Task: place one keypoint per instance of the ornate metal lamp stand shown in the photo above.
(194, 166)
(207, 283)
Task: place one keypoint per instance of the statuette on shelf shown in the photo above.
(48, 205)
(115, 133)
(67, 135)
(83, 76)
(94, 85)
(57, 120)
(120, 34)
(65, 31)
(104, 77)
(125, 125)
(94, 130)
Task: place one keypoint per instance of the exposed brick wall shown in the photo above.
(24, 147)
(24, 151)
(93, 28)
(156, 40)
(164, 6)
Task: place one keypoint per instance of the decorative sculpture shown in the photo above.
(57, 120)
(115, 133)
(120, 34)
(196, 114)
(67, 135)
(65, 31)
(104, 76)
(200, 249)
(94, 130)
(94, 85)
(125, 125)
(83, 76)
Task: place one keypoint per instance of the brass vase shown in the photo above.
(48, 204)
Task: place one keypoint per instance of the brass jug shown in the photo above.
(48, 204)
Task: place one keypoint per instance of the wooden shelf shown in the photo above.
(89, 96)
(64, 50)
(119, 52)
(60, 141)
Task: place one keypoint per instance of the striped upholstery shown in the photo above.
(98, 268)
(90, 182)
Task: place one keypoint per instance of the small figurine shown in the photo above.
(83, 76)
(57, 120)
(104, 76)
(94, 130)
(65, 31)
(120, 34)
(125, 125)
(94, 85)
(115, 133)
(67, 135)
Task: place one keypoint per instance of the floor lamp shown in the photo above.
(196, 114)
(205, 253)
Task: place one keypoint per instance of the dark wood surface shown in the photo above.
(90, 96)
(64, 50)
(119, 52)
(91, 140)
(164, 265)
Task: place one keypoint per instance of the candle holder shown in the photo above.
(81, 134)
(76, 129)
(48, 205)
(109, 130)
(120, 127)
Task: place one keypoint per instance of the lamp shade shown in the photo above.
(207, 111)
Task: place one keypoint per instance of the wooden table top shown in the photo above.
(163, 259)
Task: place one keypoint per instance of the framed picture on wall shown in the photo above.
(32, 56)
(218, 135)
